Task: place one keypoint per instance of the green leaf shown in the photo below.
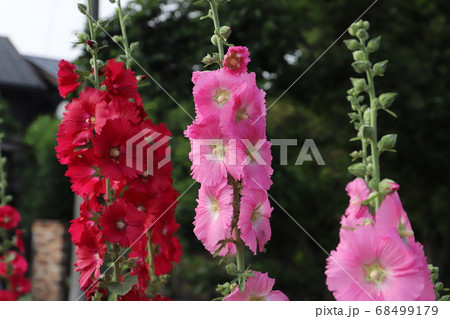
(390, 112)
(123, 287)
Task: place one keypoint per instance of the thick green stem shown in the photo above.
(374, 141)
(109, 195)
(124, 35)
(240, 250)
(151, 260)
(93, 50)
(216, 20)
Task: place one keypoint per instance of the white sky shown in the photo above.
(46, 28)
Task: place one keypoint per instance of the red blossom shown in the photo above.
(67, 78)
(9, 217)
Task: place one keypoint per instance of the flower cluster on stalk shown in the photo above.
(125, 236)
(378, 257)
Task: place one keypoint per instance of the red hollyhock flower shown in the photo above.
(135, 295)
(85, 115)
(84, 173)
(120, 82)
(110, 147)
(9, 217)
(67, 78)
(20, 284)
(6, 295)
(18, 262)
(122, 223)
(18, 241)
(89, 251)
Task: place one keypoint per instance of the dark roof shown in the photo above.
(15, 71)
(47, 67)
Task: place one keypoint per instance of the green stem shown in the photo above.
(108, 192)
(3, 176)
(374, 140)
(116, 250)
(240, 246)
(124, 35)
(240, 250)
(216, 20)
(151, 261)
(93, 50)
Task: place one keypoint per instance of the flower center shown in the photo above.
(256, 214)
(214, 206)
(241, 114)
(6, 219)
(255, 298)
(375, 273)
(114, 152)
(120, 224)
(90, 120)
(234, 61)
(222, 97)
(218, 151)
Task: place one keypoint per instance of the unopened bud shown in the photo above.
(141, 78)
(362, 35)
(82, 37)
(386, 99)
(359, 84)
(361, 66)
(354, 155)
(373, 44)
(215, 40)
(208, 59)
(358, 169)
(387, 186)
(365, 25)
(225, 32)
(352, 44)
(387, 142)
(359, 55)
(92, 44)
(380, 67)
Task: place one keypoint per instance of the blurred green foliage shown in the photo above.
(285, 37)
(45, 191)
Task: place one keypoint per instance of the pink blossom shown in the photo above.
(236, 60)
(254, 218)
(214, 155)
(250, 104)
(215, 90)
(257, 288)
(257, 167)
(213, 216)
(392, 215)
(358, 192)
(369, 264)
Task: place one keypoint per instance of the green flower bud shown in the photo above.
(361, 66)
(367, 116)
(208, 59)
(358, 169)
(352, 44)
(373, 45)
(82, 8)
(354, 155)
(359, 84)
(359, 55)
(82, 37)
(215, 39)
(387, 186)
(353, 29)
(379, 68)
(386, 99)
(225, 32)
(373, 184)
(387, 142)
(362, 35)
(365, 25)
(368, 132)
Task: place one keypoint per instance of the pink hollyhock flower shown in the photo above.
(369, 264)
(257, 288)
(85, 115)
(89, 251)
(213, 215)
(121, 223)
(110, 147)
(9, 217)
(257, 167)
(120, 82)
(392, 215)
(250, 105)
(428, 291)
(215, 90)
(358, 192)
(67, 78)
(214, 155)
(254, 218)
(236, 60)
